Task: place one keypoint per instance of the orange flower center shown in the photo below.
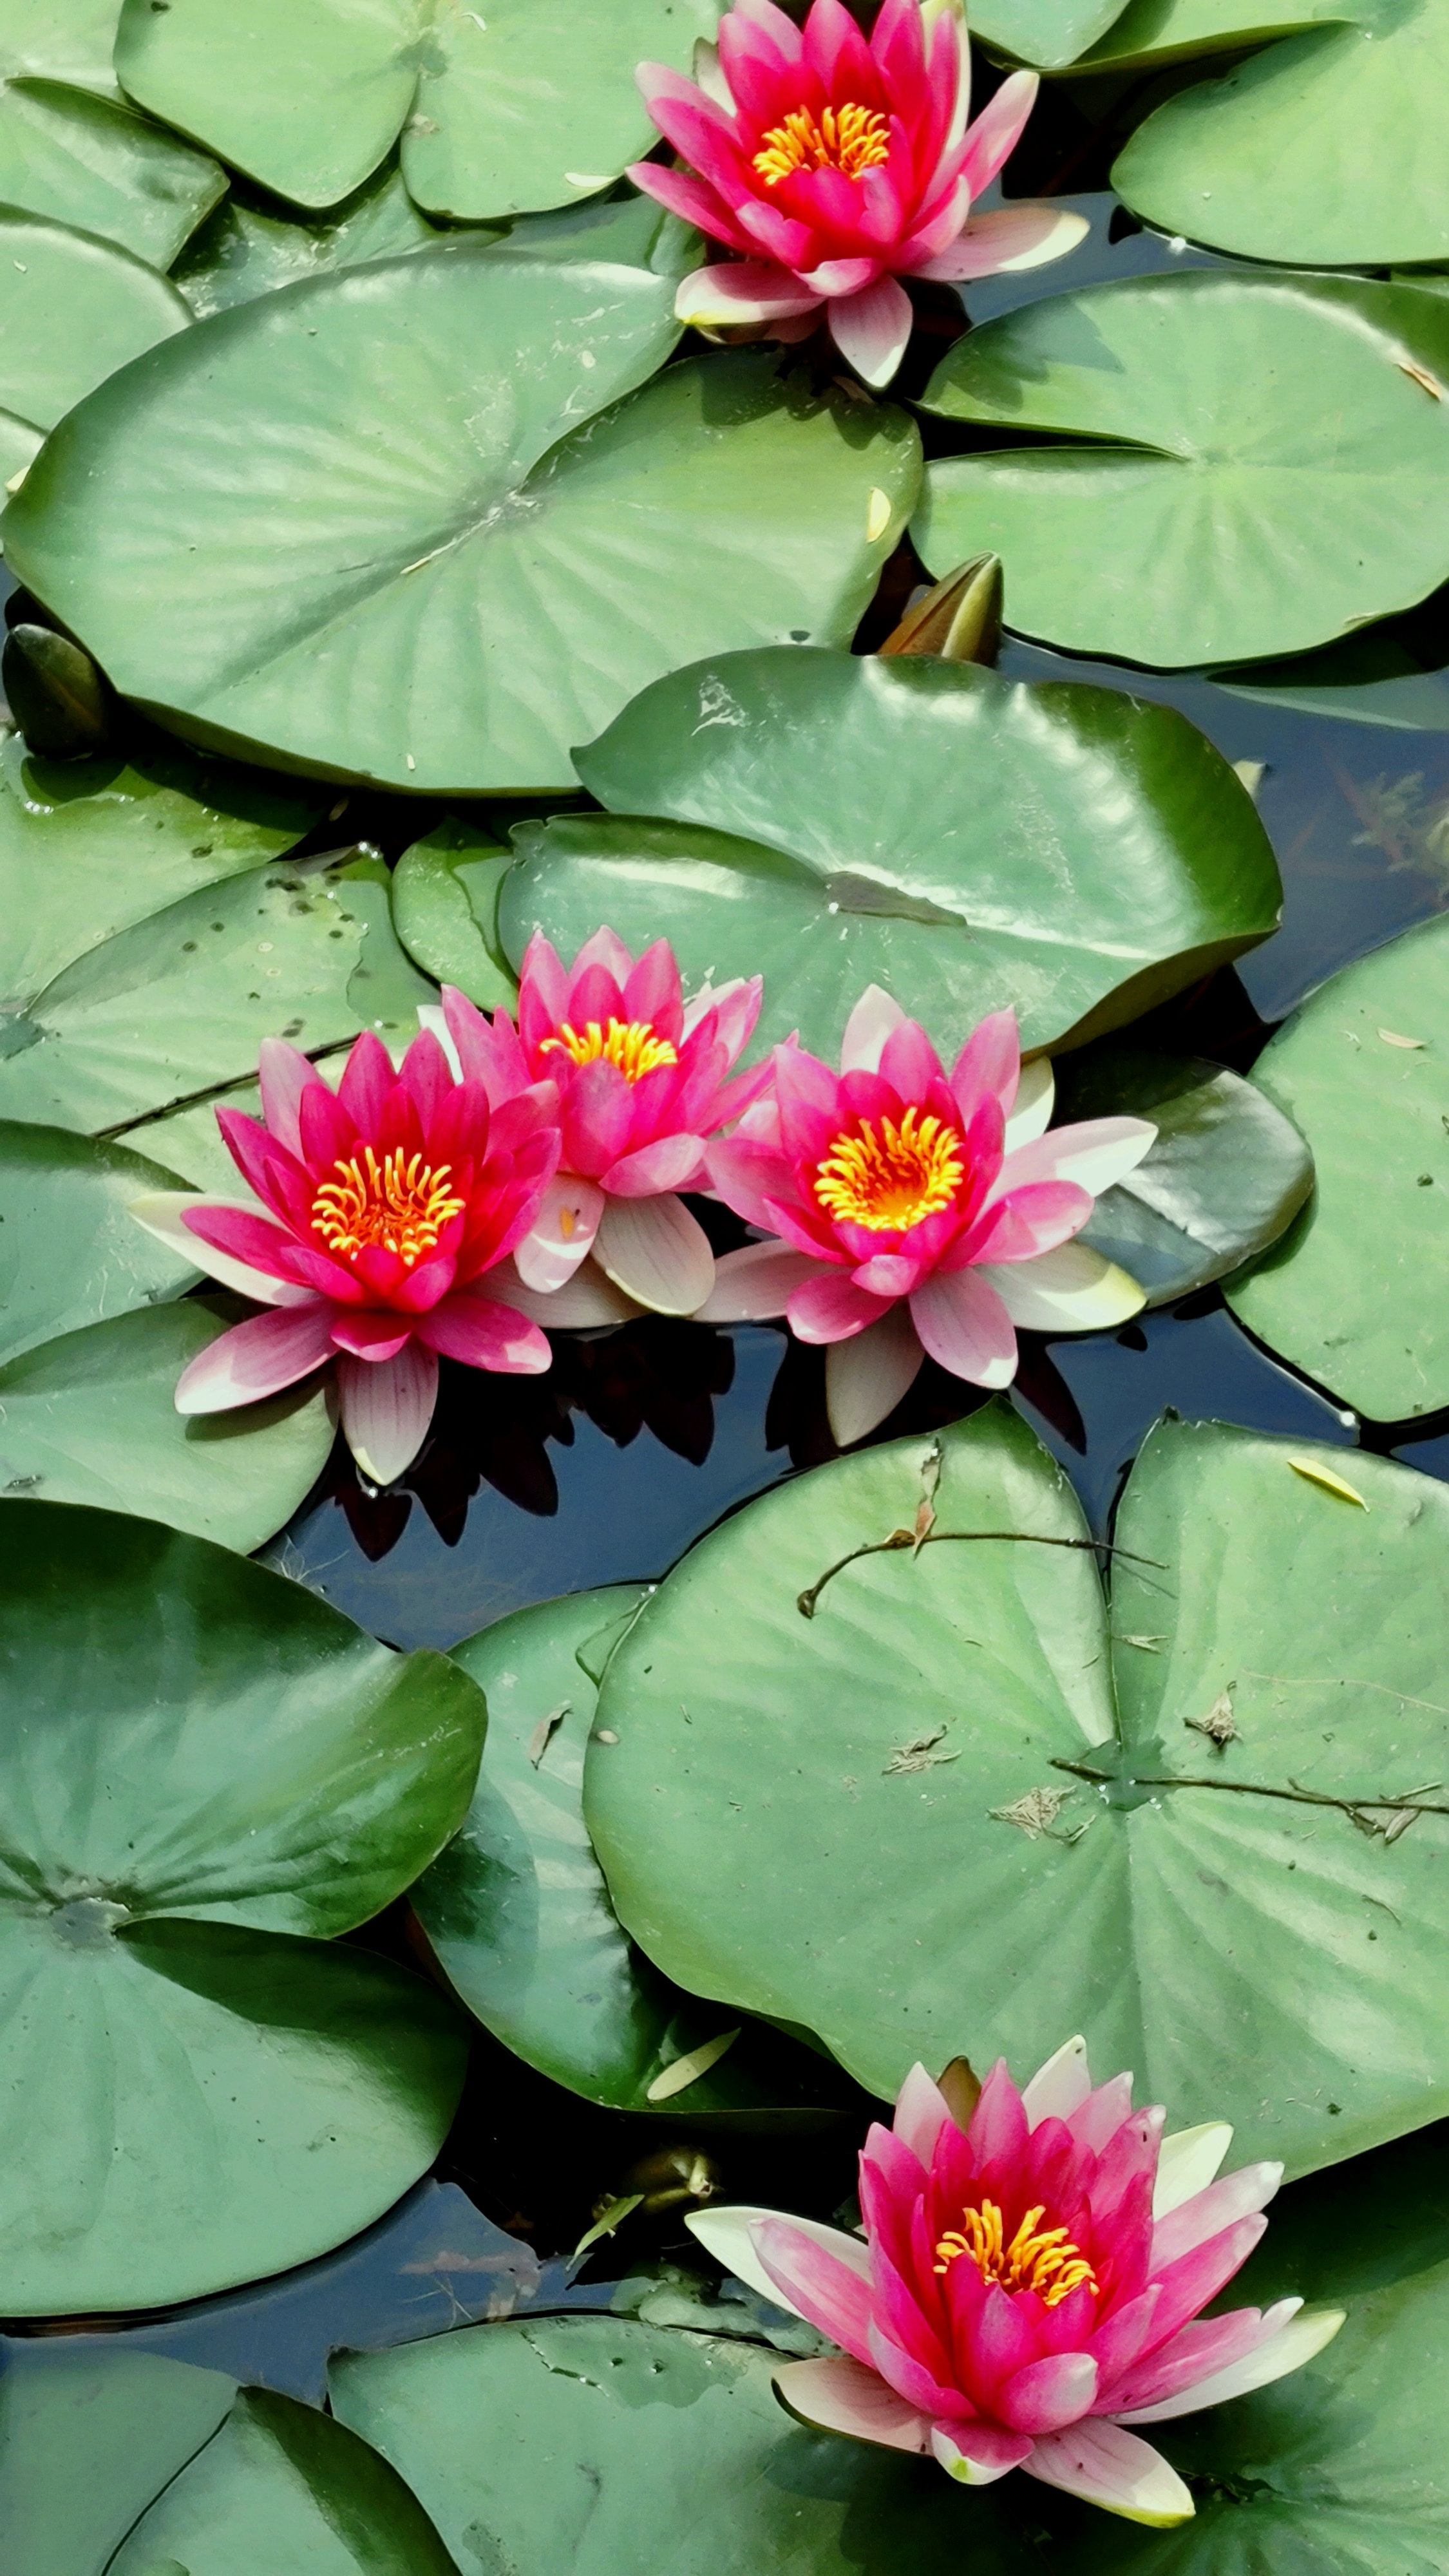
(630, 1044)
(1038, 2258)
(887, 1177)
(401, 1203)
(850, 139)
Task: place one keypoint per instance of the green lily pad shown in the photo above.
(886, 1776)
(1215, 509)
(67, 40)
(1368, 679)
(285, 2488)
(87, 2440)
(90, 162)
(20, 444)
(91, 1418)
(445, 911)
(1363, 1070)
(176, 1005)
(839, 821)
(532, 105)
(208, 1774)
(1169, 31)
(518, 1916)
(71, 1254)
(1225, 1178)
(1323, 149)
(528, 565)
(89, 846)
(1050, 33)
(72, 310)
(250, 248)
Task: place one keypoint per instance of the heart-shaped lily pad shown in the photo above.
(90, 162)
(1363, 1070)
(1322, 149)
(70, 1251)
(283, 2487)
(1225, 1177)
(72, 310)
(529, 103)
(207, 1773)
(956, 1837)
(91, 1418)
(478, 571)
(518, 1915)
(962, 841)
(1213, 507)
(87, 2440)
(1169, 31)
(445, 911)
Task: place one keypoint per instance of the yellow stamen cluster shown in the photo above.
(886, 1177)
(630, 1044)
(850, 139)
(1038, 2258)
(401, 1203)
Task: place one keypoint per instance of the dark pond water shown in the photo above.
(640, 1440)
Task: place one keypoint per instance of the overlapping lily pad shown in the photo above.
(70, 1252)
(972, 1815)
(208, 1774)
(1049, 32)
(1168, 31)
(93, 163)
(519, 1918)
(1350, 1296)
(72, 310)
(174, 1007)
(532, 103)
(1213, 507)
(87, 2441)
(923, 825)
(1225, 1177)
(69, 40)
(1322, 149)
(477, 572)
(445, 911)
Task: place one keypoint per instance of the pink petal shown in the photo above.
(1186, 2286)
(652, 992)
(694, 199)
(1106, 2466)
(1020, 1224)
(1049, 2394)
(875, 1015)
(163, 1213)
(1286, 2343)
(367, 1078)
(484, 1334)
(842, 277)
(848, 2397)
(867, 1375)
(657, 1253)
(1238, 2195)
(284, 1073)
(387, 1407)
(997, 130)
(754, 1284)
(747, 1175)
(257, 1358)
(827, 2292)
(889, 1275)
(782, 31)
(1102, 2114)
(989, 1065)
(371, 1333)
(910, 1062)
(749, 290)
(562, 1233)
(911, 2379)
(583, 1301)
(829, 1307)
(965, 1327)
(1195, 2353)
(1093, 1155)
(670, 1163)
(921, 2112)
(1012, 237)
(975, 2454)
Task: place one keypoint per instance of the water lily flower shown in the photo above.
(1029, 2286)
(642, 1087)
(915, 1214)
(833, 165)
(372, 1218)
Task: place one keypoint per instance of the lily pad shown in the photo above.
(87, 2440)
(1215, 510)
(20, 444)
(479, 572)
(1322, 149)
(970, 1818)
(250, 246)
(207, 1774)
(965, 842)
(1169, 31)
(1363, 1070)
(176, 1005)
(445, 911)
(69, 40)
(95, 164)
(1050, 33)
(1368, 679)
(72, 310)
(70, 1252)
(1225, 1178)
(518, 1916)
(89, 846)
(91, 1418)
(285, 2488)
(531, 105)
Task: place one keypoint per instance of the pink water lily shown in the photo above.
(912, 1213)
(832, 166)
(1029, 2287)
(372, 1218)
(642, 1084)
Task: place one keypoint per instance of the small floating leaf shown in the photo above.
(1317, 1474)
(1391, 1037)
(688, 2070)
